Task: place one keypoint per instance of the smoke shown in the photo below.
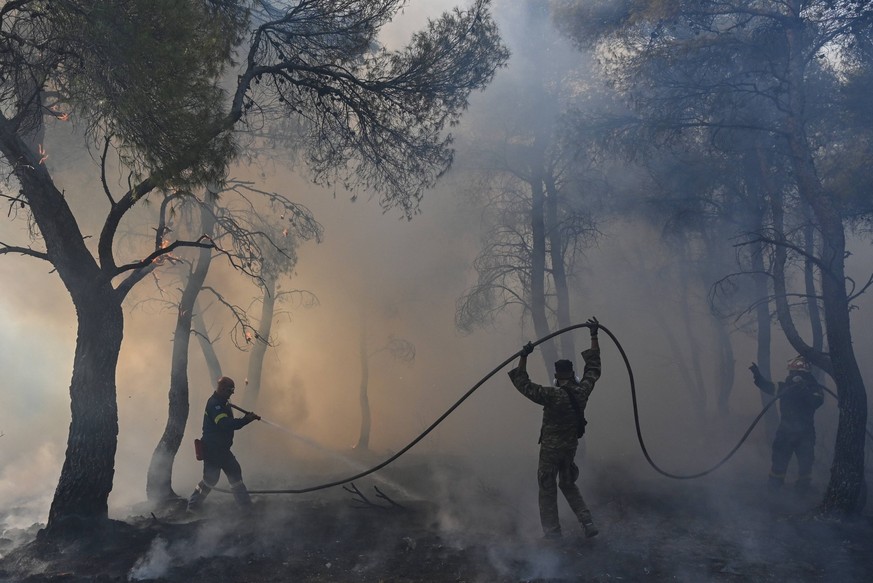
(208, 540)
(153, 564)
(480, 464)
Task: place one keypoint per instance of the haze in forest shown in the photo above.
(406, 276)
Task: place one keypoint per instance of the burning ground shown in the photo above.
(457, 527)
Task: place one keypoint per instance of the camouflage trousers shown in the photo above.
(557, 469)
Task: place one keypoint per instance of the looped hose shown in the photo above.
(464, 397)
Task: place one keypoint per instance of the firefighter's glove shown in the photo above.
(593, 326)
(526, 349)
(251, 417)
(756, 372)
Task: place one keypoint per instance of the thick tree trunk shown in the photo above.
(261, 343)
(89, 465)
(847, 471)
(159, 479)
(86, 478)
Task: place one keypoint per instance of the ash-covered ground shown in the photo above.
(458, 528)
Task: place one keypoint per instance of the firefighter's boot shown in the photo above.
(588, 525)
(195, 501)
(241, 495)
(802, 486)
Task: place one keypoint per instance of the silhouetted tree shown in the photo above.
(153, 90)
(753, 66)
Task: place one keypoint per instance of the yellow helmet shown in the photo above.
(798, 363)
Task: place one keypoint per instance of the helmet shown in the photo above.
(564, 369)
(225, 383)
(798, 363)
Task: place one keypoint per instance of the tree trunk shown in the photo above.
(261, 342)
(364, 436)
(559, 271)
(847, 471)
(538, 305)
(159, 479)
(89, 464)
(812, 305)
(727, 365)
(213, 364)
(697, 387)
(86, 478)
(764, 335)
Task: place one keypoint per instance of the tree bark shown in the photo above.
(538, 305)
(86, 478)
(213, 364)
(762, 289)
(847, 471)
(261, 342)
(559, 271)
(159, 479)
(82, 493)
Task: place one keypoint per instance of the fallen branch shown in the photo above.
(380, 494)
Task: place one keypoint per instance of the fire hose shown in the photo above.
(494, 371)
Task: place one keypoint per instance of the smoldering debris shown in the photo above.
(153, 564)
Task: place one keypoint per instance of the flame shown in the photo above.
(42, 153)
(166, 256)
(59, 115)
(248, 337)
(285, 232)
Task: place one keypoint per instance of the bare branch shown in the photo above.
(5, 249)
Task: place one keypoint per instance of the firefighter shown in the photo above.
(800, 395)
(218, 427)
(563, 425)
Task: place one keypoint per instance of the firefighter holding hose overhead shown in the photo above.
(800, 395)
(218, 427)
(563, 425)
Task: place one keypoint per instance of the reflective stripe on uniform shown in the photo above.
(220, 417)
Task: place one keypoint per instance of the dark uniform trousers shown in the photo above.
(793, 442)
(217, 459)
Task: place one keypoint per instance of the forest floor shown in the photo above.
(649, 531)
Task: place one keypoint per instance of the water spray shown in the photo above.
(315, 445)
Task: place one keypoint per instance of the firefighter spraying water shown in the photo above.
(219, 426)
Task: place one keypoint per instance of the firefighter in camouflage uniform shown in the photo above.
(563, 425)
(800, 395)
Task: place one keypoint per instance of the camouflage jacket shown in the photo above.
(559, 419)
